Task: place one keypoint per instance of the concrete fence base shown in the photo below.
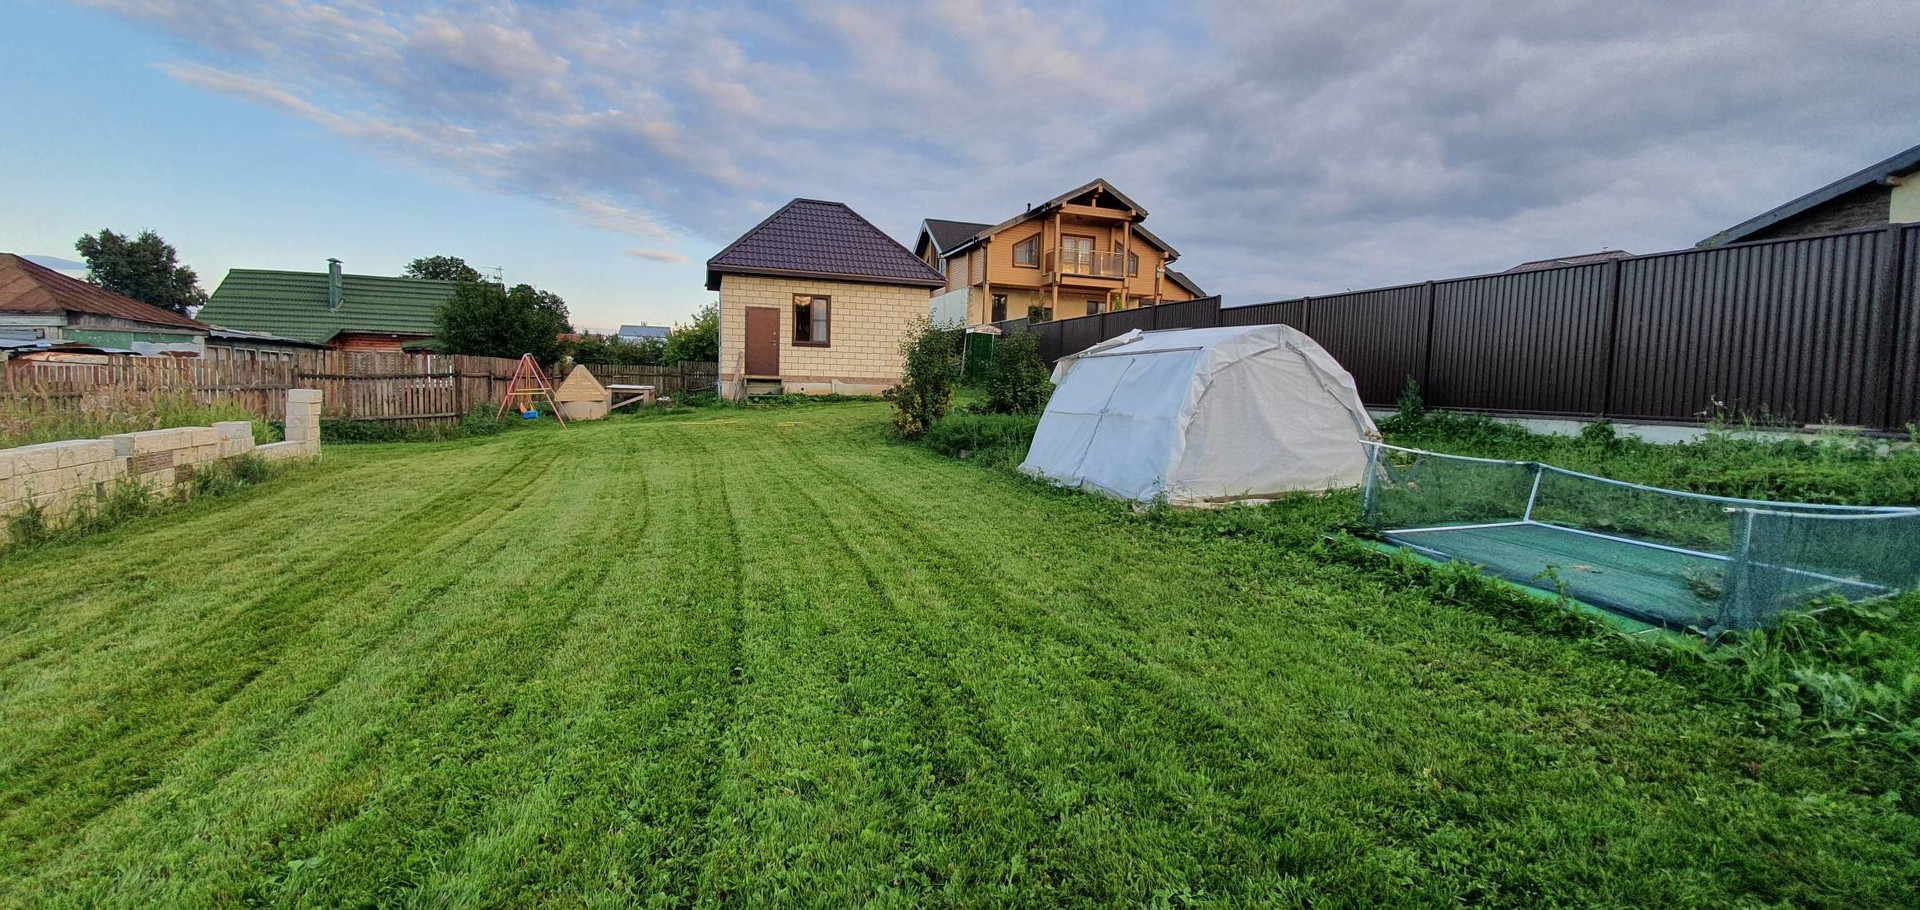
(62, 478)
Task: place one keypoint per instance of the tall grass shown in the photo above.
(28, 419)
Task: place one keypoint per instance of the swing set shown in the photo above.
(524, 391)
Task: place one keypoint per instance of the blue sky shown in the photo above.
(603, 149)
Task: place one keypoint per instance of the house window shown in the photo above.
(999, 308)
(1093, 308)
(1133, 259)
(810, 319)
(1026, 253)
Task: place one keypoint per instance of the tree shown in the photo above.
(442, 268)
(698, 341)
(616, 350)
(485, 320)
(145, 268)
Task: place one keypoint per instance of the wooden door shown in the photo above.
(763, 341)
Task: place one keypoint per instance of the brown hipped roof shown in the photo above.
(815, 238)
(29, 287)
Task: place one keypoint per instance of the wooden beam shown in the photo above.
(1126, 255)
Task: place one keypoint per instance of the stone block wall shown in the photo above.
(61, 478)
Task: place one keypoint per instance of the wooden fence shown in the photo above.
(410, 389)
(667, 379)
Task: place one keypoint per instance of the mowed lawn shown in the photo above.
(772, 658)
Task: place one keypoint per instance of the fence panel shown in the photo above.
(1781, 329)
(1379, 336)
(1531, 342)
(1280, 312)
(1903, 405)
(667, 379)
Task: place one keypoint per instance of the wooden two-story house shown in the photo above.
(1079, 253)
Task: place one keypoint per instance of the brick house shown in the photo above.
(1886, 192)
(816, 300)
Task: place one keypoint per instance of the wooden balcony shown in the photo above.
(1095, 268)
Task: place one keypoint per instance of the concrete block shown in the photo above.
(36, 458)
(202, 436)
(284, 451)
(300, 432)
(304, 396)
(148, 441)
(56, 504)
(6, 463)
(84, 451)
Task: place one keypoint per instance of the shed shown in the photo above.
(1200, 417)
(582, 397)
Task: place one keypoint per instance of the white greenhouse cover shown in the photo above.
(1202, 416)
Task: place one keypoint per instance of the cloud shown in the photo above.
(640, 252)
(1284, 149)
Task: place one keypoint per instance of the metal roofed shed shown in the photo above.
(1671, 558)
(1202, 417)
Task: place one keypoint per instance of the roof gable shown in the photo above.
(294, 304)
(1897, 165)
(816, 238)
(947, 235)
(29, 287)
(1086, 192)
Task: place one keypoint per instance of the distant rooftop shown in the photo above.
(29, 287)
(1582, 259)
(644, 331)
(294, 304)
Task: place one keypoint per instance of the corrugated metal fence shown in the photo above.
(1800, 331)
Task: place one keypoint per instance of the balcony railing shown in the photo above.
(1092, 263)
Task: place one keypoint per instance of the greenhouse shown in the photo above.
(1675, 559)
(1202, 417)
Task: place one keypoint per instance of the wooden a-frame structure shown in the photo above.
(528, 386)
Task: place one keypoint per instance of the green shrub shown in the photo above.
(480, 420)
(928, 377)
(998, 439)
(1018, 382)
(1411, 407)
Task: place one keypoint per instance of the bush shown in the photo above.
(997, 439)
(1018, 382)
(932, 369)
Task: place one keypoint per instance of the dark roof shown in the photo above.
(29, 287)
(815, 238)
(294, 304)
(643, 331)
(1895, 166)
(222, 333)
(1182, 280)
(949, 234)
(1582, 259)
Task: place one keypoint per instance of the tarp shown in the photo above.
(1203, 416)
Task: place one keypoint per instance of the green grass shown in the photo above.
(27, 421)
(771, 657)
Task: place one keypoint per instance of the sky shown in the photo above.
(604, 149)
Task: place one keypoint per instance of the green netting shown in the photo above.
(1680, 559)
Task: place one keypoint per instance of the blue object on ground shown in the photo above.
(529, 415)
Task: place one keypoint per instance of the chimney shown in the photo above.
(333, 284)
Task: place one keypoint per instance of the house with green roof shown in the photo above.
(343, 312)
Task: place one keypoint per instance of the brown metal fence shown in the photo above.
(1802, 330)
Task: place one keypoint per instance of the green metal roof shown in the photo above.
(294, 304)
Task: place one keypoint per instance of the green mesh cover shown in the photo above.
(1679, 559)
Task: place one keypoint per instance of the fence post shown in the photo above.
(1426, 357)
(1612, 338)
(1884, 377)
